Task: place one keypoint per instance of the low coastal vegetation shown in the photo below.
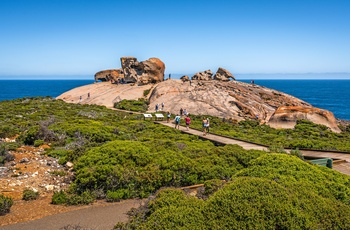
(119, 155)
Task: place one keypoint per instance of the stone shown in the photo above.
(287, 117)
(223, 75)
(24, 160)
(69, 164)
(203, 76)
(108, 75)
(184, 78)
(142, 73)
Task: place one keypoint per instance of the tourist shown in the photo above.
(157, 107)
(169, 76)
(89, 95)
(162, 106)
(208, 125)
(181, 111)
(185, 112)
(168, 117)
(81, 98)
(204, 125)
(188, 122)
(177, 121)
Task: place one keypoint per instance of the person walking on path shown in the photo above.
(188, 122)
(157, 107)
(181, 111)
(204, 125)
(168, 117)
(177, 121)
(162, 106)
(208, 125)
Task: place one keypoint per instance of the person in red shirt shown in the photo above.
(188, 122)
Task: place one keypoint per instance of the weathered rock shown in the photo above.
(69, 164)
(24, 160)
(184, 78)
(109, 75)
(142, 73)
(223, 75)
(287, 116)
(203, 76)
(232, 100)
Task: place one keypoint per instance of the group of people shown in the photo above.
(157, 107)
(178, 119)
(184, 112)
(205, 122)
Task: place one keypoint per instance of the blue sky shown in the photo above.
(81, 37)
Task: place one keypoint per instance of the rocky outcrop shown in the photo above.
(203, 76)
(231, 100)
(223, 75)
(287, 116)
(184, 78)
(142, 73)
(109, 75)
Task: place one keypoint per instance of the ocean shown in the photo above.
(333, 95)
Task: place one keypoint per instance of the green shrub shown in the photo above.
(140, 105)
(29, 194)
(146, 92)
(59, 197)
(115, 196)
(86, 197)
(37, 143)
(5, 204)
(211, 186)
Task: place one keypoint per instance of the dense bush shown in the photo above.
(29, 194)
(276, 191)
(140, 105)
(140, 168)
(5, 204)
(59, 197)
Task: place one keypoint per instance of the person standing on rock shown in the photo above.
(162, 106)
(181, 111)
(188, 122)
(177, 121)
(157, 107)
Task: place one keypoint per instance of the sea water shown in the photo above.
(333, 95)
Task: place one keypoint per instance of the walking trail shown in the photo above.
(341, 160)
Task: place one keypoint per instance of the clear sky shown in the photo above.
(81, 37)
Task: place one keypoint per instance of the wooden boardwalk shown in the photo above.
(341, 161)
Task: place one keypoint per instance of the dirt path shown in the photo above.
(97, 217)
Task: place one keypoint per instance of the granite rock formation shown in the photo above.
(231, 100)
(184, 78)
(203, 76)
(142, 73)
(223, 75)
(287, 116)
(108, 75)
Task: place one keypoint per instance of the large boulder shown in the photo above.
(143, 73)
(203, 76)
(184, 78)
(108, 75)
(287, 116)
(223, 75)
